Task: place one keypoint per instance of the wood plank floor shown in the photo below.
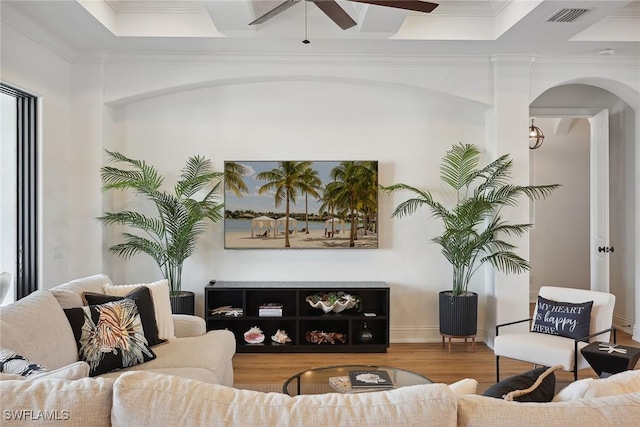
(430, 360)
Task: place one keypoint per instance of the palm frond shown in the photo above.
(494, 175)
(408, 207)
(134, 245)
(507, 262)
(459, 164)
(133, 219)
(537, 192)
(144, 178)
(196, 175)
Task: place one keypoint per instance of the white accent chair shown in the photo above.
(550, 350)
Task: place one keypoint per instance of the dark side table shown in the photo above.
(606, 362)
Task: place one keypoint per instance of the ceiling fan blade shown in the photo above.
(418, 6)
(275, 11)
(336, 13)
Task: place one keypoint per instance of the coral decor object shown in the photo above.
(227, 310)
(280, 337)
(333, 301)
(321, 337)
(254, 335)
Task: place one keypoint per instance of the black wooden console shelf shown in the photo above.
(298, 317)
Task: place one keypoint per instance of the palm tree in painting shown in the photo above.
(233, 173)
(310, 185)
(330, 200)
(286, 180)
(369, 201)
(351, 187)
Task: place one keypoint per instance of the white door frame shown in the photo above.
(599, 201)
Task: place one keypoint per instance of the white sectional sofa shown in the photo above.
(150, 399)
(36, 327)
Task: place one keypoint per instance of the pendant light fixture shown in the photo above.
(536, 137)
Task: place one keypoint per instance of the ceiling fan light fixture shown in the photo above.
(339, 16)
(536, 137)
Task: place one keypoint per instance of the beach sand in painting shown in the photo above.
(315, 239)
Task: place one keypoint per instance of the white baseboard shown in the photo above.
(623, 324)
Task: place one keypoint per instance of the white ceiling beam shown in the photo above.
(151, 19)
(233, 16)
(379, 19)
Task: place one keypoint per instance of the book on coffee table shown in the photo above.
(370, 379)
(342, 384)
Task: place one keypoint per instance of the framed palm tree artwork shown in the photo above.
(301, 204)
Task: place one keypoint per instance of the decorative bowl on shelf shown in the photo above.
(333, 301)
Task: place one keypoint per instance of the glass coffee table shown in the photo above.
(316, 380)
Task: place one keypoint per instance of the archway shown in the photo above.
(561, 258)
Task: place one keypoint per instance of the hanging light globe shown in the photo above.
(536, 137)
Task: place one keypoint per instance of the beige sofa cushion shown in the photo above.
(86, 284)
(186, 325)
(622, 383)
(199, 374)
(55, 402)
(621, 410)
(67, 298)
(464, 386)
(213, 351)
(37, 328)
(145, 399)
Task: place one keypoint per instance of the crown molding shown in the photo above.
(367, 60)
(609, 62)
(25, 26)
(512, 60)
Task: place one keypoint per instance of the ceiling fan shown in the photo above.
(338, 15)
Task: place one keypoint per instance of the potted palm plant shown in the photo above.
(473, 227)
(170, 236)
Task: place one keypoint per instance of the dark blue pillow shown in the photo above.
(566, 319)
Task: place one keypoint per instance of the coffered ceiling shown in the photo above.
(455, 27)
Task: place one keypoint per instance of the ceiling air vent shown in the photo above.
(567, 15)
